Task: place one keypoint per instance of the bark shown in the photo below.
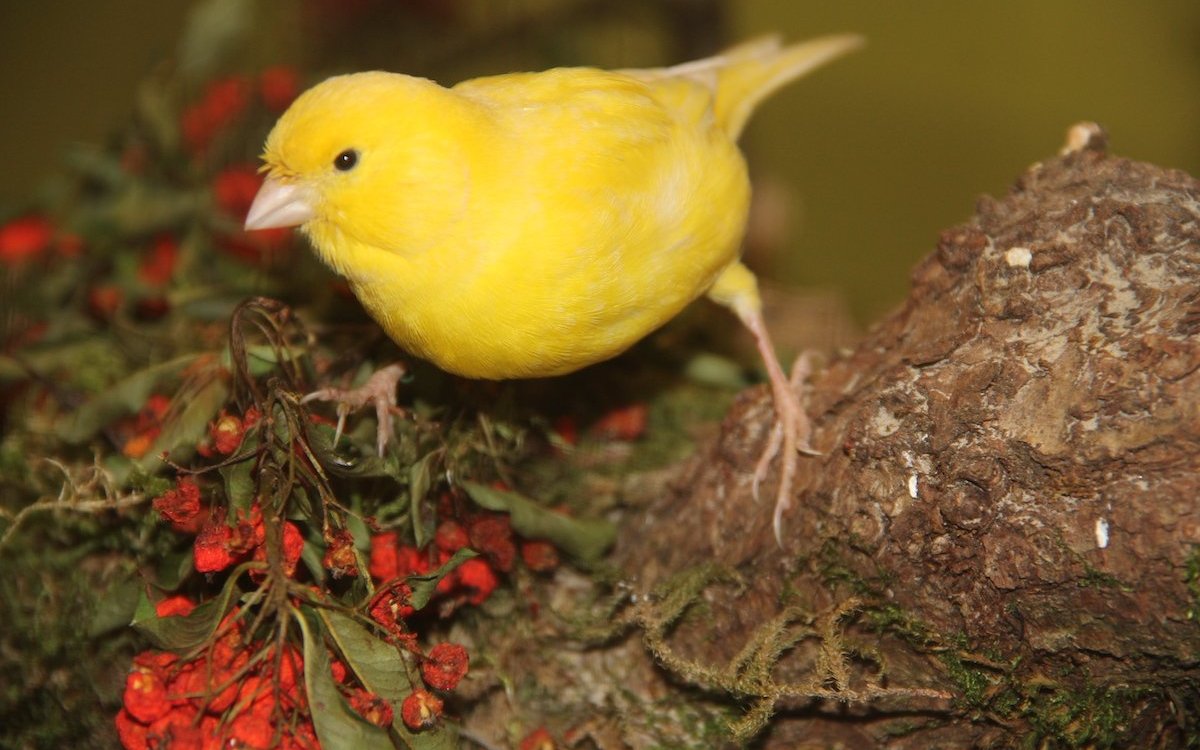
(1006, 510)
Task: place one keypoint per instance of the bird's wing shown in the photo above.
(738, 79)
(596, 110)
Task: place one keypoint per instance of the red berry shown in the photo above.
(421, 710)
(24, 239)
(445, 666)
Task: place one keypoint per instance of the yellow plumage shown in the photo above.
(531, 224)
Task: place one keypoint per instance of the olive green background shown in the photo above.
(872, 156)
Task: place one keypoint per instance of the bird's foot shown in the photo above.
(791, 433)
(380, 390)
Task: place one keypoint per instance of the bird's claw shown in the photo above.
(801, 369)
(380, 390)
(790, 434)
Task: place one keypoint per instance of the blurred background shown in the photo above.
(858, 167)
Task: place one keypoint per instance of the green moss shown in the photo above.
(831, 565)
(988, 682)
(897, 621)
(1093, 578)
(878, 614)
(973, 685)
(679, 722)
(1006, 702)
(148, 484)
(64, 646)
(1092, 716)
(1058, 714)
(14, 468)
(903, 728)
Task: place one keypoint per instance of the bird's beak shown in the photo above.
(280, 204)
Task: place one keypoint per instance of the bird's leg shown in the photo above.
(737, 289)
(792, 429)
(801, 369)
(380, 390)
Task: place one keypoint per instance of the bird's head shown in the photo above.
(365, 159)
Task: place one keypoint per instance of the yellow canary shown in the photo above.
(530, 224)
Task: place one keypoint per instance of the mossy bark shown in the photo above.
(1008, 485)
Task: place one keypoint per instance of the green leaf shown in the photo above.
(377, 663)
(584, 539)
(62, 352)
(214, 30)
(213, 304)
(127, 396)
(149, 484)
(419, 481)
(96, 164)
(424, 584)
(160, 115)
(182, 430)
(358, 527)
(320, 439)
(262, 359)
(313, 558)
(714, 370)
(240, 486)
(144, 207)
(114, 609)
(339, 727)
(183, 633)
(172, 569)
(380, 668)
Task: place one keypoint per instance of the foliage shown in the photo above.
(158, 466)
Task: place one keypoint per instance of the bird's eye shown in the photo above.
(346, 160)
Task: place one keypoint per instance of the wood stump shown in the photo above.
(1007, 505)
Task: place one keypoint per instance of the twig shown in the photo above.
(67, 499)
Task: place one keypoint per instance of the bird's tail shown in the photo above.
(742, 76)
